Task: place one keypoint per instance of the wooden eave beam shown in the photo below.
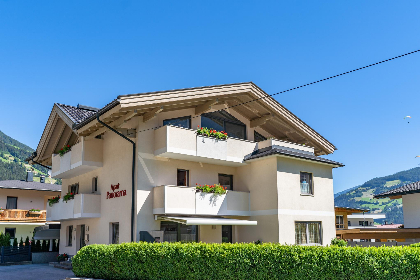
(115, 124)
(395, 197)
(206, 106)
(152, 114)
(261, 120)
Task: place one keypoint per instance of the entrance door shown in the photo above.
(82, 237)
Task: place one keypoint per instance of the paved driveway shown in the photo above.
(33, 272)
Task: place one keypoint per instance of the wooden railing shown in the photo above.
(22, 215)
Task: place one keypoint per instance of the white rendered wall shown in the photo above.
(411, 208)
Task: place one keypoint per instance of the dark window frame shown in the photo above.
(226, 120)
(115, 239)
(70, 236)
(7, 203)
(187, 177)
(259, 135)
(75, 187)
(310, 184)
(229, 233)
(7, 230)
(226, 175)
(94, 184)
(179, 118)
(178, 231)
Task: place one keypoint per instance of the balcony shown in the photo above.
(19, 215)
(81, 207)
(185, 200)
(84, 157)
(180, 143)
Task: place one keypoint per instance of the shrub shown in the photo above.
(4, 239)
(15, 243)
(415, 245)
(210, 132)
(21, 242)
(339, 242)
(53, 200)
(216, 189)
(244, 261)
(27, 241)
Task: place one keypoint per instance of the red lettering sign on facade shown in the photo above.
(115, 192)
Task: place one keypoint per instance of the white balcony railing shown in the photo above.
(185, 200)
(181, 143)
(84, 157)
(81, 207)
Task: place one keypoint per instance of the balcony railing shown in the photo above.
(81, 207)
(19, 215)
(83, 157)
(185, 200)
(181, 143)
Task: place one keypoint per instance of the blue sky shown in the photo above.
(89, 52)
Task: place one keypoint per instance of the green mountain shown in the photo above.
(12, 161)
(362, 196)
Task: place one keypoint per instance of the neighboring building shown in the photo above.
(364, 220)
(278, 190)
(16, 199)
(410, 195)
(342, 214)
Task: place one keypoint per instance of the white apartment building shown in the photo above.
(134, 165)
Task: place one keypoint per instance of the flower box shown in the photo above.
(34, 212)
(1, 211)
(211, 147)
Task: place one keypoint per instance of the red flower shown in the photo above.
(61, 149)
(71, 193)
(68, 146)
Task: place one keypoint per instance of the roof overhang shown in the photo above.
(209, 221)
(246, 99)
(46, 234)
(350, 210)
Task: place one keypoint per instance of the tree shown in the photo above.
(21, 242)
(38, 246)
(15, 243)
(4, 239)
(27, 241)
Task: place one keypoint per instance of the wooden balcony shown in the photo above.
(23, 216)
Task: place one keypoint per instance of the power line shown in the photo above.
(308, 84)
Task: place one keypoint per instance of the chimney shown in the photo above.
(29, 176)
(42, 179)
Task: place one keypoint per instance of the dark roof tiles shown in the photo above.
(76, 115)
(406, 189)
(23, 185)
(291, 153)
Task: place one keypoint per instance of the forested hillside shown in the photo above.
(12, 161)
(362, 196)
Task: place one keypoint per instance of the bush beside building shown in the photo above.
(244, 261)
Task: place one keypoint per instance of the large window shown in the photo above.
(258, 137)
(173, 232)
(11, 232)
(363, 223)
(182, 177)
(306, 186)
(227, 234)
(223, 121)
(11, 202)
(308, 233)
(226, 181)
(74, 188)
(69, 236)
(339, 221)
(184, 122)
(115, 233)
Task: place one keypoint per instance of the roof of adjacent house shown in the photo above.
(349, 209)
(75, 114)
(278, 150)
(23, 185)
(406, 189)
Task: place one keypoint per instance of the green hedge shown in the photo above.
(245, 261)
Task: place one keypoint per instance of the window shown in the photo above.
(74, 188)
(308, 233)
(184, 122)
(94, 184)
(69, 236)
(115, 233)
(11, 202)
(306, 183)
(223, 121)
(226, 181)
(227, 234)
(363, 223)
(258, 137)
(173, 232)
(348, 223)
(339, 221)
(182, 177)
(11, 232)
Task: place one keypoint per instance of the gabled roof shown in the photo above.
(245, 99)
(406, 189)
(276, 150)
(23, 185)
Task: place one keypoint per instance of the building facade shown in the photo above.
(279, 189)
(17, 198)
